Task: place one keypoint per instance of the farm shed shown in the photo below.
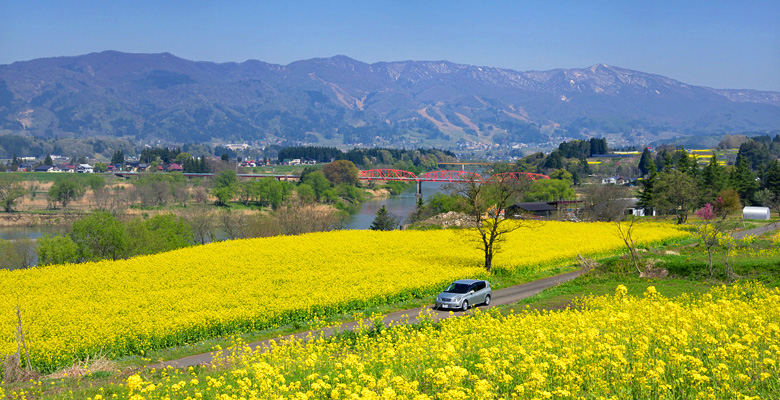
(755, 213)
(537, 208)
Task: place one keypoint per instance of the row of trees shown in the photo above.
(334, 183)
(103, 235)
(681, 186)
(100, 236)
(410, 160)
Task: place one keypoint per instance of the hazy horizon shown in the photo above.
(717, 44)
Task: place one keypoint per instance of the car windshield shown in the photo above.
(458, 288)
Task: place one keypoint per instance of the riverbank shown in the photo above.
(28, 219)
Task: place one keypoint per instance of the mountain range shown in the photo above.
(338, 100)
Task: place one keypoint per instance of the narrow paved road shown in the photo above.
(500, 297)
(757, 231)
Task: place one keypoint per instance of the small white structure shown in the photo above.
(755, 213)
(614, 180)
(84, 169)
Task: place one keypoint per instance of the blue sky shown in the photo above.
(721, 44)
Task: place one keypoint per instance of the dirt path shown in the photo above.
(500, 297)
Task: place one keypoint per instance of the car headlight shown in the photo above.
(457, 298)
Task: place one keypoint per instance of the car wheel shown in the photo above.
(487, 300)
(465, 305)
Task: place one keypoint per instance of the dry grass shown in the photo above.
(13, 371)
(90, 365)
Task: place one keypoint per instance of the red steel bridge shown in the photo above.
(442, 176)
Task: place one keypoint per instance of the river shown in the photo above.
(21, 232)
(402, 206)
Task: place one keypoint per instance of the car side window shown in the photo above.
(480, 285)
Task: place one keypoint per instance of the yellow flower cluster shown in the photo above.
(720, 345)
(128, 306)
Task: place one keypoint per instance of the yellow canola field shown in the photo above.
(720, 345)
(128, 306)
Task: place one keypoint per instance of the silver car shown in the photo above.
(463, 293)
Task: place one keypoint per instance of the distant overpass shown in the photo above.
(441, 176)
(388, 175)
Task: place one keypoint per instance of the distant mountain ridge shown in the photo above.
(339, 100)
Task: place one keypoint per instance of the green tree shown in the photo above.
(756, 154)
(48, 160)
(57, 250)
(118, 158)
(683, 161)
(561, 174)
(341, 171)
(553, 161)
(645, 161)
(384, 220)
(100, 236)
(674, 192)
(66, 189)
(318, 182)
(225, 186)
(771, 179)
(163, 232)
(95, 182)
(437, 204)
(273, 193)
(11, 192)
(248, 191)
(727, 203)
(183, 158)
(550, 190)
(647, 187)
(743, 180)
(306, 194)
(764, 198)
(713, 179)
(100, 167)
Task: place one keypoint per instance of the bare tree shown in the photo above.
(294, 220)
(120, 198)
(101, 198)
(486, 202)
(263, 225)
(180, 192)
(153, 193)
(625, 230)
(18, 253)
(200, 195)
(233, 224)
(12, 371)
(606, 202)
(201, 219)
